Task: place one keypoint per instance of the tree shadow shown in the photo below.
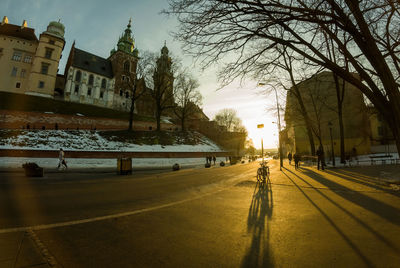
(258, 223)
(362, 223)
(330, 221)
(358, 178)
(383, 210)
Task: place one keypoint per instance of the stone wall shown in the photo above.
(36, 120)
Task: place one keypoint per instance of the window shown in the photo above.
(123, 78)
(14, 71)
(51, 42)
(28, 59)
(48, 53)
(18, 85)
(101, 94)
(23, 72)
(127, 66)
(1, 50)
(89, 91)
(45, 68)
(78, 76)
(127, 94)
(41, 84)
(76, 89)
(103, 83)
(120, 92)
(127, 78)
(91, 79)
(17, 56)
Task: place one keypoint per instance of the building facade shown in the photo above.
(29, 65)
(320, 100)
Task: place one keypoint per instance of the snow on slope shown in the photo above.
(85, 140)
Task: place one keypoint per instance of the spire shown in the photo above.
(5, 20)
(126, 42)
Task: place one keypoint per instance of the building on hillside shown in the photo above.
(29, 65)
(319, 97)
(91, 79)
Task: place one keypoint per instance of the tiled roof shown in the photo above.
(16, 31)
(92, 63)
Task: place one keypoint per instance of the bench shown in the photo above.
(382, 158)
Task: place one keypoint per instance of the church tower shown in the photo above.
(124, 61)
(45, 63)
(164, 78)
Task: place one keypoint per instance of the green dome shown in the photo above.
(56, 28)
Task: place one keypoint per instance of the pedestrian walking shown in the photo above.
(320, 156)
(296, 158)
(61, 159)
(289, 156)
(214, 159)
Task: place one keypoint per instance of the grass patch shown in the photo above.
(28, 103)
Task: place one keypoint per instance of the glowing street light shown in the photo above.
(279, 124)
(262, 145)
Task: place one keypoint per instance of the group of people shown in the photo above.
(210, 159)
(296, 158)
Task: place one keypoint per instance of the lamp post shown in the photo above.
(262, 145)
(279, 125)
(333, 153)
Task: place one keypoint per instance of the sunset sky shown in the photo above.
(96, 26)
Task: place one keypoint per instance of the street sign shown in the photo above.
(260, 126)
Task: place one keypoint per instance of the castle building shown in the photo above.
(29, 65)
(91, 79)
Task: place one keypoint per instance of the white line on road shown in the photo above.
(102, 218)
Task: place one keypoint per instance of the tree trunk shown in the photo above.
(158, 118)
(306, 120)
(341, 129)
(131, 115)
(340, 97)
(183, 123)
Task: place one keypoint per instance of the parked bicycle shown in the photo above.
(263, 173)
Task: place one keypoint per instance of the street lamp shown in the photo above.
(333, 153)
(279, 124)
(262, 145)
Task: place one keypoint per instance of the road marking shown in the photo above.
(102, 218)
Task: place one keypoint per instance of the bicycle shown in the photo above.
(263, 173)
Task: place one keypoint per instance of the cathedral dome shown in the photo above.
(56, 28)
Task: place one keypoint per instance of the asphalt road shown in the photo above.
(216, 217)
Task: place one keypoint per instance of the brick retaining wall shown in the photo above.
(37, 120)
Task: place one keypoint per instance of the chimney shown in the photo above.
(5, 20)
(24, 24)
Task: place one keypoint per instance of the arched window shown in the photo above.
(127, 94)
(103, 83)
(91, 80)
(121, 92)
(78, 76)
(127, 66)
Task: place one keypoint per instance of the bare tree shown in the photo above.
(246, 30)
(229, 119)
(187, 97)
(163, 84)
(137, 82)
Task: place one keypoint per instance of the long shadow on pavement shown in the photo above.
(331, 221)
(258, 223)
(363, 224)
(383, 210)
(360, 180)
